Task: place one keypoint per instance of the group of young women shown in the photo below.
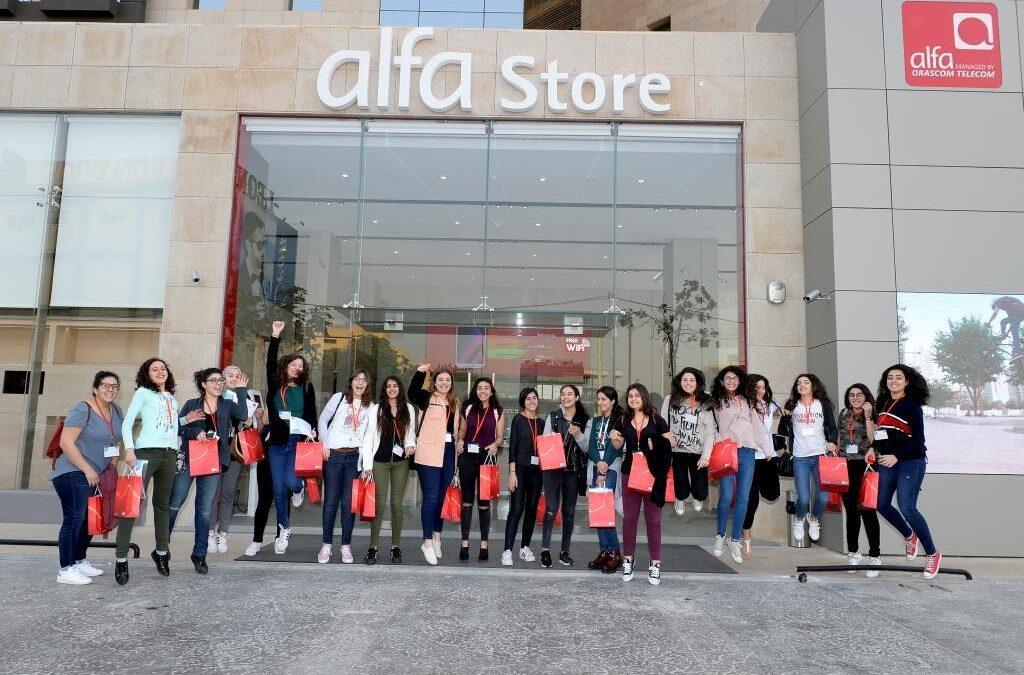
(447, 442)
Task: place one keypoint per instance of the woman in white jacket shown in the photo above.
(384, 456)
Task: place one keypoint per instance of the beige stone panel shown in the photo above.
(769, 55)
(262, 18)
(189, 352)
(213, 16)
(233, 17)
(205, 175)
(155, 15)
(771, 185)
(481, 92)
(306, 99)
(6, 85)
(425, 49)
(270, 46)
(9, 33)
(193, 310)
(310, 18)
(772, 141)
(482, 44)
(295, 18)
(719, 98)
(208, 131)
(214, 46)
(340, 19)
(718, 54)
(211, 88)
(763, 268)
(268, 90)
(175, 16)
(159, 45)
(620, 53)
(201, 219)
(194, 17)
(776, 325)
(681, 97)
(46, 44)
(523, 43)
(771, 230)
(575, 52)
(316, 43)
(778, 364)
(41, 86)
(98, 87)
(772, 98)
(668, 53)
(155, 88)
(208, 258)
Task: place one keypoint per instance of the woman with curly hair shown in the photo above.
(856, 427)
(693, 426)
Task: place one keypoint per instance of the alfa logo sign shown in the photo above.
(951, 44)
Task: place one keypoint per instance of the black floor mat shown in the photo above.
(685, 558)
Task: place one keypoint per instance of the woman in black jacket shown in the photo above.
(210, 416)
(524, 480)
(562, 486)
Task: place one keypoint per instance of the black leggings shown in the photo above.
(469, 478)
(523, 504)
(688, 478)
(765, 484)
(854, 514)
(265, 501)
(561, 488)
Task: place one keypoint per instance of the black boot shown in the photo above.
(371, 556)
(200, 563)
(162, 563)
(484, 555)
(121, 572)
(396, 555)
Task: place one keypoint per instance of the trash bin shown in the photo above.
(791, 510)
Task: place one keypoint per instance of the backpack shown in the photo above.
(53, 449)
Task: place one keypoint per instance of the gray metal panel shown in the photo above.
(816, 196)
(858, 131)
(861, 185)
(804, 9)
(821, 360)
(855, 53)
(864, 361)
(810, 59)
(959, 251)
(865, 315)
(779, 17)
(814, 139)
(864, 258)
(957, 188)
(955, 128)
(819, 256)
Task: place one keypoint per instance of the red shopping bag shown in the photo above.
(489, 488)
(313, 491)
(451, 510)
(869, 490)
(601, 507)
(309, 459)
(369, 505)
(640, 477)
(128, 495)
(835, 503)
(203, 458)
(832, 473)
(358, 487)
(542, 506)
(724, 459)
(670, 487)
(250, 448)
(95, 515)
(551, 452)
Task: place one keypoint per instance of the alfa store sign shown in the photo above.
(588, 92)
(951, 44)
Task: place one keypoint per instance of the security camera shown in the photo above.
(195, 277)
(815, 294)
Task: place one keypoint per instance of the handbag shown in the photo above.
(203, 458)
(95, 514)
(369, 505)
(451, 509)
(309, 459)
(835, 503)
(542, 507)
(551, 450)
(601, 507)
(869, 489)
(488, 482)
(833, 475)
(640, 477)
(724, 459)
(248, 448)
(785, 464)
(670, 487)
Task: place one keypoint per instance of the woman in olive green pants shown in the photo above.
(384, 456)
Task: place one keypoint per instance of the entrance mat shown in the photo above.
(686, 558)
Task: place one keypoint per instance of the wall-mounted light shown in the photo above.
(776, 292)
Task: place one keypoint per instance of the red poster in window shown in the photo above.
(951, 44)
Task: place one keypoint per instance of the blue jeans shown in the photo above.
(434, 481)
(607, 537)
(74, 491)
(736, 486)
(282, 474)
(804, 470)
(206, 493)
(905, 481)
(339, 471)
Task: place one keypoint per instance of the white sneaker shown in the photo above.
(253, 548)
(873, 562)
(854, 559)
(526, 553)
(346, 555)
(798, 529)
(86, 569)
(506, 558)
(627, 569)
(324, 556)
(281, 543)
(436, 544)
(654, 574)
(697, 505)
(298, 497)
(222, 542)
(814, 528)
(719, 545)
(212, 542)
(680, 507)
(428, 554)
(71, 576)
(736, 550)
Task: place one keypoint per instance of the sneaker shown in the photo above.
(396, 555)
(854, 560)
(566, 559)
(428, 554)
(281, 543)
(298, 497)
(613, 563)
(913, 546)
(798, 530)
(680, 507)
(654, 574)
(697, 505)
(627, 569)
(545, 558)
(506, 558)
(526, 553)
(598, 562)
(463, 554)
(436, 543)
(873, 562)
(222, 542)
(71, 576)
(719, 545)
(212, 541)
(346, 555)
(736, 550)
(253, 548)
(371, 556)
(814, 528)
(121, 572)
(84, 567)
(931, 567)
(324, 556)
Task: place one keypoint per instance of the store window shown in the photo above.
(452, 13)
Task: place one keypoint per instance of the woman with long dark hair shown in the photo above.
(387, 445)
(856, 428)
(693, 426)
(902, 459)
(480, 434)
(561, 486)
(524, 479)
(605, 460)
(810, 425)
(157, 444)
(766, 471)
(732, 405)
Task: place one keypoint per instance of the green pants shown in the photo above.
(393, 475)
(162, 465)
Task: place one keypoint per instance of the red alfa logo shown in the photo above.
(951, 44)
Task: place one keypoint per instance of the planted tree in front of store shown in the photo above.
(970, 356)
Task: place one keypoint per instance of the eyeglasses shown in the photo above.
(216, 380)
(109, 387)
(730, 378)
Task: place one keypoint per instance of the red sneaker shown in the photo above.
(931, 568)
(912, 546)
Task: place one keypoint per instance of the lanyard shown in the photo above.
(849, 424)
(110, 422)
(284, 405)
(603, 433)
(170, 414)
(480, 422)
(639, 431)
(808, 418)
(212, 414)
(394, 423)
(891, 406)
(761, 413)
(533, 431)
(355, 415)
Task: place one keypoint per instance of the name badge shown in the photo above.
(852, 449)
(398, 450)
(535, 460)
(807, 431)
(881, 435)
(285, 415)
(473, 448)
(111, 451)
(230, 396)
(447, 438)
(690, 419)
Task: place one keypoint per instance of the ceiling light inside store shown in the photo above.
(444, 177)
(641, 180)
(542, 179)
(375, 221)
(458, 222)
(519, 319)
(344, 175)
(537, 224)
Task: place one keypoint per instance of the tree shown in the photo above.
(942, 395)
(902, 333)
(970, 356)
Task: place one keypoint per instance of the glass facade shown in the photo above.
(452, 13)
